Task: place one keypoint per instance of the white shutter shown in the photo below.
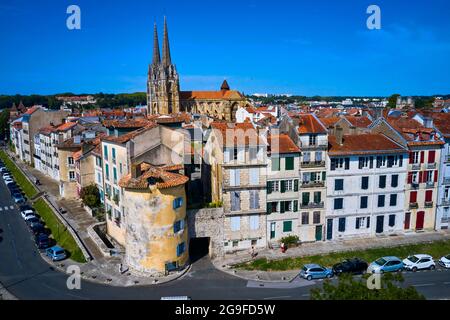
(235, 223)
(226, 156)
(254, 176)
(241, 154)
(254, 222)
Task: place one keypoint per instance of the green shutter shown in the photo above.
(296, 185)
(289, 163)
(283, 186)
(324, 176)
(269, 187)
(305, 198)
(281, 206)
(287, 226)
(295, 205)
(269, 207)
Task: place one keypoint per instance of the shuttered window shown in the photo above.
(341, 226)
(254, 199)
(289, 163)
(254, 222)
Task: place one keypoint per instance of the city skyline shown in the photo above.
(300, 48)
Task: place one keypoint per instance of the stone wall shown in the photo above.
(207, 223)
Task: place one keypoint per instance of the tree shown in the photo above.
(351, 288)
(90, 196)
(392, 102)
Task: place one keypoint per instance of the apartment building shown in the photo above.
(424, 148)
(15, 136)
(365, 185)
(33, 120)
(237, 154)
(283, 218)
(153, 144)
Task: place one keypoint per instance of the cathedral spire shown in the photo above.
(166, 50)
(156, 58)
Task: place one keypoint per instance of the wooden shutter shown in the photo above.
(296, 185)
(435, 176)
(283, 186)
(431, 156)
(411, 157)
(428, 195)
(295, 205)
(333, 164)
(413, 197)
(347, 163)
(371, 162)
(410, 175)
(422, 156)
(269, 187)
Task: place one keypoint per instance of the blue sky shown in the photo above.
(303, 47)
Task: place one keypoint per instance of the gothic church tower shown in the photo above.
(163, 85)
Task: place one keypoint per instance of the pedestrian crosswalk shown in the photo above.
(6, 208)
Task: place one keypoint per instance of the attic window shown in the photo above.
(152, 181)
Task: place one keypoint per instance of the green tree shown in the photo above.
(4, 126)
(90, 196)
(351, 288)
(392, 101)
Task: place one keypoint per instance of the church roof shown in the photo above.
(211, 95)
(224, 85)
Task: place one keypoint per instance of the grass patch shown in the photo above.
(436, 249)
(59, 231)
(21, 180)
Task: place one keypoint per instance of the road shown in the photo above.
(27, 276)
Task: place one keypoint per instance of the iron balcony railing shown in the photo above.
(312, 205)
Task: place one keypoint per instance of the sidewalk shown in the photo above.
(103, 269)
(318, 248)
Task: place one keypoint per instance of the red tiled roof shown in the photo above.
(414, 132)
(172, 118)
(32, 110)
(126, 123)
(330, 121)
(363, 144)
(66, 126)
(359, 122)
(237, 134)
(283, 143)
(309, 124)
(163, 178)
(211, 95)
(128, 136)
(47, 129)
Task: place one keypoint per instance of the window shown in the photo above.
(413, 197)
(235, 243)
(254, 199)
(312, 139)
(254, 222)
(316, 217)
(235, 200)
(391, 220)
(338, 184)
(363, 202)
(177, 203)
(289, 163)
(317, 197)
(305, 217)
(339, 163)
(365, 162)
(394, 181)
(178, 226)
(306, 157)
(273, 186)
(431, 156)
(254, 176)
(115, 174)
(71, 175)
(235, 223)
(341, 226)
(318, 156)
(361, 223)
(235, 154)
(235, 177)
(181, 248)
(338, 203)
(70, 160)
(287, 226)
(114, 155)
(429, 176)
(382, 182)
(272, 207)
(105, 152)
(393, 200)
(415, 157)
(252, 151)
(365, 183)
(381, 161)
(381, 200)
(275, 164)
(428, 195)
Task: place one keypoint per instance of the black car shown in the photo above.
(37, 228)
(42, 241)
(25, 207)
(33, 220)
(354, 266)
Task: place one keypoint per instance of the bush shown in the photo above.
(215, 204)
(90, 196)
(290, 240)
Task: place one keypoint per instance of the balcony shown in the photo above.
(431, 165)
(312, 164)
(446, 181)
(413, 205)
(312, 205)
(447, 158)
(313, 184)
(316, 146)
(428, 204)
(430, 184)
(445, 202)
(415, 166)
(414, 185)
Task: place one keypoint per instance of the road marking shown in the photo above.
(305, 295)
(11, 207)
(279, 297)
(446, 282)
(1, 209)
(423, 285)
(6, 207)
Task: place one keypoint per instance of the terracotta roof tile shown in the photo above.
(128, 136)
(413, 132)
(211, 95)
(363, 144)
(237, 134)
(359, 122)
(66, 126)
(283, 143)
(162, 178)
(310, 124)
(126, 123)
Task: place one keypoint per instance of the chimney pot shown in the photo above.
(135, 171)
(339, 135)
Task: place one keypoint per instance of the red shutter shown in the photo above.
(411, 157)
(435, 176)
(428, 195)
(431, 156)
(422, 156)
(420, 177)
(410, 177)
(413, 196)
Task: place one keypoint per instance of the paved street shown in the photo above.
(27, 276)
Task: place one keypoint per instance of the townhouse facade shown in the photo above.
(365, 189)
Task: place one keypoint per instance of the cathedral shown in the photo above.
(164, 95)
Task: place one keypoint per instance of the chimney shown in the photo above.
(352, 130)
(339, 135)
(135, 171)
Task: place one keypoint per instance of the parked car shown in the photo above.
(315, 271)
(9, 181)
(18, 197)
(56, 253)
(37, 228)
(419, 261)
(6, 175)
(3, 169)
(445, 261)
(25, 207)
(33, 220)
(42, 241)
(386, 264)
(354, 266)
(27, 213)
